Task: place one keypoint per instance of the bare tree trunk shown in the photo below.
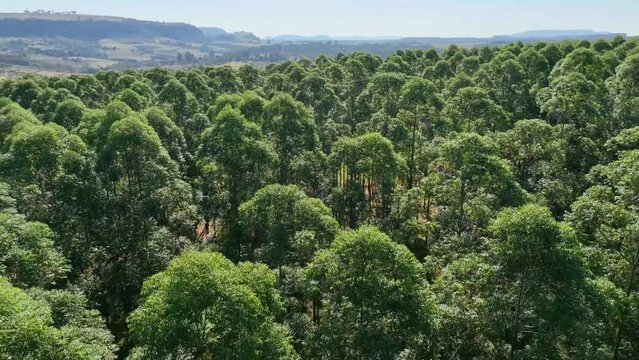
(629, 287)
(515, 327)
(462, 201)
(411, 165)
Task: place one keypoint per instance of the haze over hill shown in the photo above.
(92, 27)
(531, 35)
(71, 42)
(97, 27)
(552, 34)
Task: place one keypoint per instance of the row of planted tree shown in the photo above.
(467, 204)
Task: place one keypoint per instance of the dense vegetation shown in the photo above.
(472, 204)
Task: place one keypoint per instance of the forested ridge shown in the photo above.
(476, 203)
(91, 28)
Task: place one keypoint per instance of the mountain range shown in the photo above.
(60, 43)
(532, 35)
(98, 27)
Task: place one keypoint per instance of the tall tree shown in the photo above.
(292, 130)
(539, 284)
(472, 109)
(375, 303)
(420, 97)
(605, 217)
(205, 307)
(244, 162)
(365, 170)
(469, 182)
(624, 89)
(32, 328)
(285, 226)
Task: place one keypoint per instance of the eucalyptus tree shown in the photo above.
(539, 287)
(146, 208)
(624, 89)
(575, 104)
(286, 227)
(605, 217)
(419, 97)
(249, 76)
(205, 307)
(469, 182)
(171, 136)
(134, 100)
(319, 93)
(28, 256)
(51, 175)
(25, 91)
(69, 113)
(537, 157)
(571, 99)
(535, 65)
(242, 162)
(472, 110)
(375, 304)
(32, 328)
(292, 130)
(223, 79)
(357, 80)
(365, 170)
(12, 115)
(384, 89)
(583, 61)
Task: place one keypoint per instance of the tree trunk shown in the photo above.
(515, 326)
(633, 274)
(462, 201)
(411, 164)
(316, 311)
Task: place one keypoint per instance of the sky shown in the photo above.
(365, 17)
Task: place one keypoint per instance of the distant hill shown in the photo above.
(49, 42)
(553, 34)
(524, 36)
(299, 38)
(92, 28)
(213, 32)
(527, 36)
(219, 34)
(291, 38)
(98, 27)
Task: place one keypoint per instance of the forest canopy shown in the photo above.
(473, 203)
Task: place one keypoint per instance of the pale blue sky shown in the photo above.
(366, 17)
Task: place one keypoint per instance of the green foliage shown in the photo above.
(285, 226)
(11, 116)
(537, 157)
(506, 178)
(539, 295)
(570, 99)
(374, 300)
(470, 182)
(31, 327)
(292, 130)
(365, 169)
(28, 256)
(624, 89)
(233, 150)
(204, 306)
(605, 217)
(471, 109)
(69, 113)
